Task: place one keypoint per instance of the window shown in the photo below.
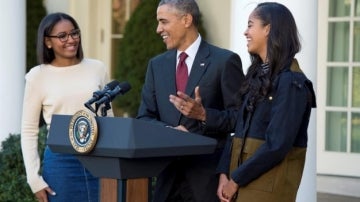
(342, 100)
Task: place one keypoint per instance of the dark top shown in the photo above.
(281, 120)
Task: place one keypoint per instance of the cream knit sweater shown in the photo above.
(55, 90)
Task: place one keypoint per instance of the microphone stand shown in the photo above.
(105, 108)
(87, 105)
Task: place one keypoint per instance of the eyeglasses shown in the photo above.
(63, 36)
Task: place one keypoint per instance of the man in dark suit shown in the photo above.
(218, 73)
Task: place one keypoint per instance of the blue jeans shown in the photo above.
(68, 178)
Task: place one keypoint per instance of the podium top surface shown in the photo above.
(131, 138)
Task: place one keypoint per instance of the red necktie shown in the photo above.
(181, 73)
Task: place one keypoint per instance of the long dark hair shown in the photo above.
(44, 54)
(282, 45)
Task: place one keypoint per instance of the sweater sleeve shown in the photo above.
(29, 135)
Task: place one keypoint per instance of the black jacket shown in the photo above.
(281, 120)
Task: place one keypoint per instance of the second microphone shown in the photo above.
(110, 94)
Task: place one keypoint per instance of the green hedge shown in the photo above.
(13, 185)
(35, 11)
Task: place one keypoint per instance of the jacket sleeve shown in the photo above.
(231, 80)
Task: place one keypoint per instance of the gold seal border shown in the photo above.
(89, 146)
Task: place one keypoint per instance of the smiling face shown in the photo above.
(173, 27)
(63, 51)
(257, 36)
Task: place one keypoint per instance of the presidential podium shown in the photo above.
(130, 149)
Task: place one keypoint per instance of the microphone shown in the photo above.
(98, 94)
(120, 89)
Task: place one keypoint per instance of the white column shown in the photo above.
(305, 14)
(12, 65)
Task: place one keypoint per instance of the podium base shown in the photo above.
(136, 190)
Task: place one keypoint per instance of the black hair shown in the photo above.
(185, 6)
(44, 54)
(282, 45)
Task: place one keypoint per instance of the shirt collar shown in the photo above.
(192, 49)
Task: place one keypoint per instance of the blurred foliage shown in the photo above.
(13, 185)
(35, 11)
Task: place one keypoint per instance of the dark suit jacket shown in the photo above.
(218, 73)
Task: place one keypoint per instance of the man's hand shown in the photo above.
(191, 108)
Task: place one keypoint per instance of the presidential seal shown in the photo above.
(83, 131)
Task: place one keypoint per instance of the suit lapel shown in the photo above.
(169, 68)
(169, 75)
(201, 63)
